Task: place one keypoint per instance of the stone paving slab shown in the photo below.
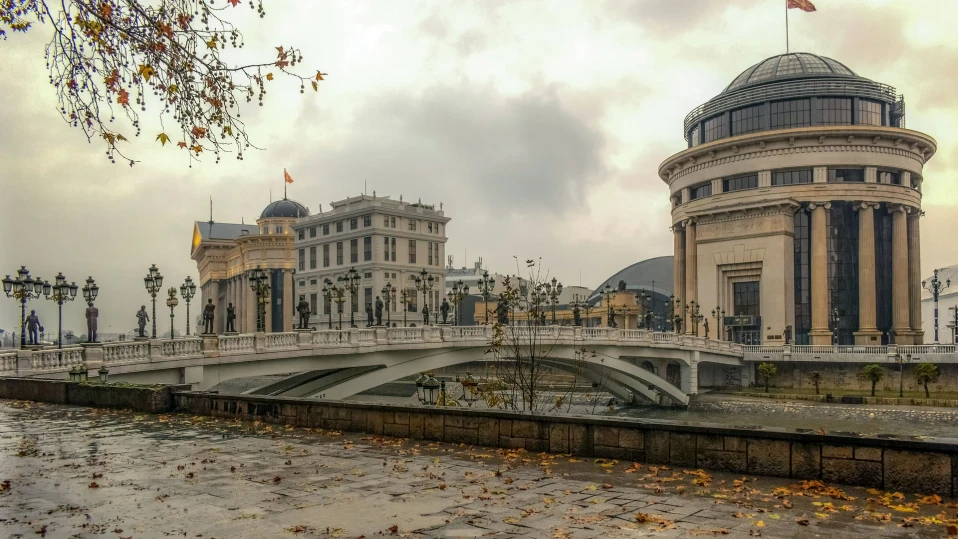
(76, 472)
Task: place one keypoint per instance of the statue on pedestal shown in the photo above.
(369, 315)
(230, 318)
(425, 315)
(91, 315)
(142, 317)
(706, 322)
(576, 316)
(612, 323)
(208, 311)
(304, 311)
(379, 311)
(444, 310)
(33, 326)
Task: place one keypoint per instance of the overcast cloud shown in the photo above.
(539, 125)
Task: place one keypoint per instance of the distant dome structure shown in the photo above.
(788, 66)
(651, 275)
(284, 209)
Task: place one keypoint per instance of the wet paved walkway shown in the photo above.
(73, 472)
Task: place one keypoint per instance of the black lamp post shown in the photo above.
(457, 293)
(718, 314)
(90, 292)
(259, 282)
(389, 294)
(60, 292)
(328, 292)
(424, 284)
(188, 290)
(23, 288)
(154, 283)
(350, 283)
(553, 290)
(609, 294)
(172, 302)
(404, 299)
(936, 287)
(486, 286)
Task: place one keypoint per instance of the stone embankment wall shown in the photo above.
(838, 376)
(907, 465)
(152, 399)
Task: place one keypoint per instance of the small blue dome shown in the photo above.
(284, 208)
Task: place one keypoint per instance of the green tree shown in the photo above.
(873, 373)
(767, 371)
(926, 373)
(117, 58)
(815, 378)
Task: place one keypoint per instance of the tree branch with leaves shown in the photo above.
(111, 61)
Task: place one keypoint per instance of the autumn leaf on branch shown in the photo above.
(110, 58)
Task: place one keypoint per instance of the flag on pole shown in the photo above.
(804, 5)
(290, 180)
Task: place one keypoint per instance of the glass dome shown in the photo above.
(284, 208)
(783, 66)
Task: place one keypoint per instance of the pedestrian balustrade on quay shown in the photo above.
(930, 353)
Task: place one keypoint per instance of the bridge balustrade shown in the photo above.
(182, 348)
(402, 335)
(123, 353)
(57, 359)
(931, 353)
(330, 337)
(8, 363)
(282, 341)
(237, 344)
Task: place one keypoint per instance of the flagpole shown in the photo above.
(786, 27)
(284, 183)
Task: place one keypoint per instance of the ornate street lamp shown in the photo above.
(259, 282)
(339, 291)
(692, 312)
(486, 286)
(671, 309)
(404, 299)
(552, 291)
(420, 394)
(328, 292)
(90, 292)
(457, 293)
(718, 314)
(154, 283)
(104, 374)
(172, 302)
(609, 294)
(424, 284)
(431, 388)
(469, 389)
(187, 290)
(936, 287)
(23, 288)
(389, 294)
(350, 283)
(60, 292)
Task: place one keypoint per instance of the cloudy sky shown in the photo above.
(538, 124)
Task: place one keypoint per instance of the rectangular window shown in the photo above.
(312, 257)
(392, 222)
(301, 234)
(367, 298)
(677, 200)
(313, 304)
(367, 248)
(339, 253)
(701, 191)
(386, 250)
(869, 112)
(746, 299)
(279, 230)
(339, 226)
(393, 250)
(835, 110)
(894, 178)
(749, 181)
(327, 305)
(841, 175)
(312, 232)
(354, 301)
(312, 282)
(715, 128)
(302, 284)
(367, 220)
(793, 113)
(792, 177)
(354, 250)
(386, 220)
(430, 253)
(430, 228)
(302, 259)
(412, 300)
(746, 120)
(326, 255)
(326, 229)
(412, 251)
(694, 137)
(353, 223)
(412, 224)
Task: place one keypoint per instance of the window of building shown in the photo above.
(842, 175)
(412, 251)
(430, 251)
(430, 228)
(412, 300)
(792, 113)
(746, 120)
(312, 232)
(339, 226)
(392, 222)
(869, 112)
(386, 249)
(694, 136)
(883, 276)
(301, 234)
(700, 191)
(835, 110)
(367, 297)
(715, 128)
(279, 230)
(326, 229)
(367, 248)
(312, 257)
(302, 259)
(312, 282)
(677, 200)
(393, 250)
(888, 176)
(339, 253)
(354, 250)
(739, 183)
(746, 299)
(792, 177)
(412, 224)
(803, 290)
(842, 249)
(385, 220)
(302, 283)
(313, 303)
(327, 305)
(367, 220)
(353, 223)
(368, 275)
(326, 255)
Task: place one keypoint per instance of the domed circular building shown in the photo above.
(795, 207)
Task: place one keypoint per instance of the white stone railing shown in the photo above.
(405, 335)
(663, 337)
(237, 344)
(182, 348)
(933, 353)
(330, 337)
(8, 362)
(467, 333)
(282, 341)
(53, 359)
(117, 353)
(368, 336)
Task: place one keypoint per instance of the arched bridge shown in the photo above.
(334, 364)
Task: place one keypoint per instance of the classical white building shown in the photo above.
(947, 302)
(384, 241)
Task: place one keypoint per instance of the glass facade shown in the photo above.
(701, 191)
(883, 263)
(715, 128)
(792, 177)
(834, 110)
(739, 183)
(841, 175)
(842, 251)
(694, 136)
(869, 112)
(746, 299)
(803, 276)
(746, 120)
(792, 113)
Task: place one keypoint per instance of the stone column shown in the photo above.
(899, 276)
(678, 265)
(691, 270)
(867, 303)
(914, 277)
(819, 333)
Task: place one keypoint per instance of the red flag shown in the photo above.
(288, 178)
(804, 5)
